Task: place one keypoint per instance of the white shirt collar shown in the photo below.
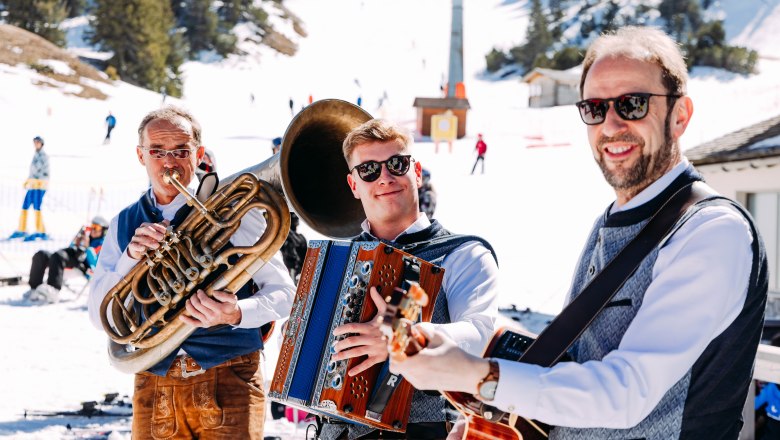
(654, 189)
(169, 211)
(421, 223)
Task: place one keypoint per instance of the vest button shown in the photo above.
(591, 270)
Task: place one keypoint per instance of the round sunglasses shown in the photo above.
(370, 170)
(631, 107)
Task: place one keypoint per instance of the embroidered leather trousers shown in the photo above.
(223, 402)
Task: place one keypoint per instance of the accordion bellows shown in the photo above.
(333, 290)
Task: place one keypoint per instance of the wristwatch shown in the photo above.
(486, 389)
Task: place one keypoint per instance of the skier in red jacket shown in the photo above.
(481, 148)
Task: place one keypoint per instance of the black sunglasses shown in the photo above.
(397, 165)
(631, 107)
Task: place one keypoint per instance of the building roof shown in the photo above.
(562, 76)
(756, 141)
(441, 102)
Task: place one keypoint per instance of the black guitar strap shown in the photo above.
(561, 333)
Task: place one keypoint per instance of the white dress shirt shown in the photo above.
(272, 301)
(471, 285)
(699, 286)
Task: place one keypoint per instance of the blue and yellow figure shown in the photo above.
(35, 185)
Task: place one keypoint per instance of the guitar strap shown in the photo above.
(561, 333)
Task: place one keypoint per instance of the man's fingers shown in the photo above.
(428, 334)
(225, 297)
(356, 327)
(361, 367)
(153, 230)
(204, 304)
(190, 320)
(357, 340)
(195, 313)
(379, 301)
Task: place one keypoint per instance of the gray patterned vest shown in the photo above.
(432, 244)
(707, 402)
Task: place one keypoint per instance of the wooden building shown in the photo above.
(428, 107)
(549, 88)
(745, 166)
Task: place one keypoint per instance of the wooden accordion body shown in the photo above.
(334, 290)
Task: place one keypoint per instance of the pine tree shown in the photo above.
(538, 38)
(200, 22)
(75, 7)
(682, 17)
(174, 85)
(233, 12)
(42, 17)
(139, 32)
(609, 20)
(556, 15)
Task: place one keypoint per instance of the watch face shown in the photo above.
(488, 389)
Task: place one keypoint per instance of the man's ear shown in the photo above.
(681, 116)
(199, 153)
(140, 153)
(418, 173)
(352, 185)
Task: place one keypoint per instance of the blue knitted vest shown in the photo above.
(208, 346)
(431, 244)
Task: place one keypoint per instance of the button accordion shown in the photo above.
(333, 290)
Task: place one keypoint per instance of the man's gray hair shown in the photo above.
(647, 44)
(170, 113)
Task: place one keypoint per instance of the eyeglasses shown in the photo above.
(159, 153)
(631, 107)
(397, 165)
(96, 226)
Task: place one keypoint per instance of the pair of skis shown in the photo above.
(112, 406)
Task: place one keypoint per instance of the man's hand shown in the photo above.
(146, 237)
(442, 365)
(208, 312)
(366, 339)
(458, 429)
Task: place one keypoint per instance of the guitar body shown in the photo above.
(478, 428)
(484, 422)
(510, 345)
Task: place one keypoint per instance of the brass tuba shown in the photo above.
(309, 171)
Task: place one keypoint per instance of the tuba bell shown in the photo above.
(307, 176)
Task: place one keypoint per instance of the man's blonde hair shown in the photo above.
(646, 44)
(170, 113)
(375, 130)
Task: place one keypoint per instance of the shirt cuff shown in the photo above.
(518, 388)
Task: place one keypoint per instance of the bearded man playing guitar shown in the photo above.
(671, 355)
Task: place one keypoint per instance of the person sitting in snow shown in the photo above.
(81, 254)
